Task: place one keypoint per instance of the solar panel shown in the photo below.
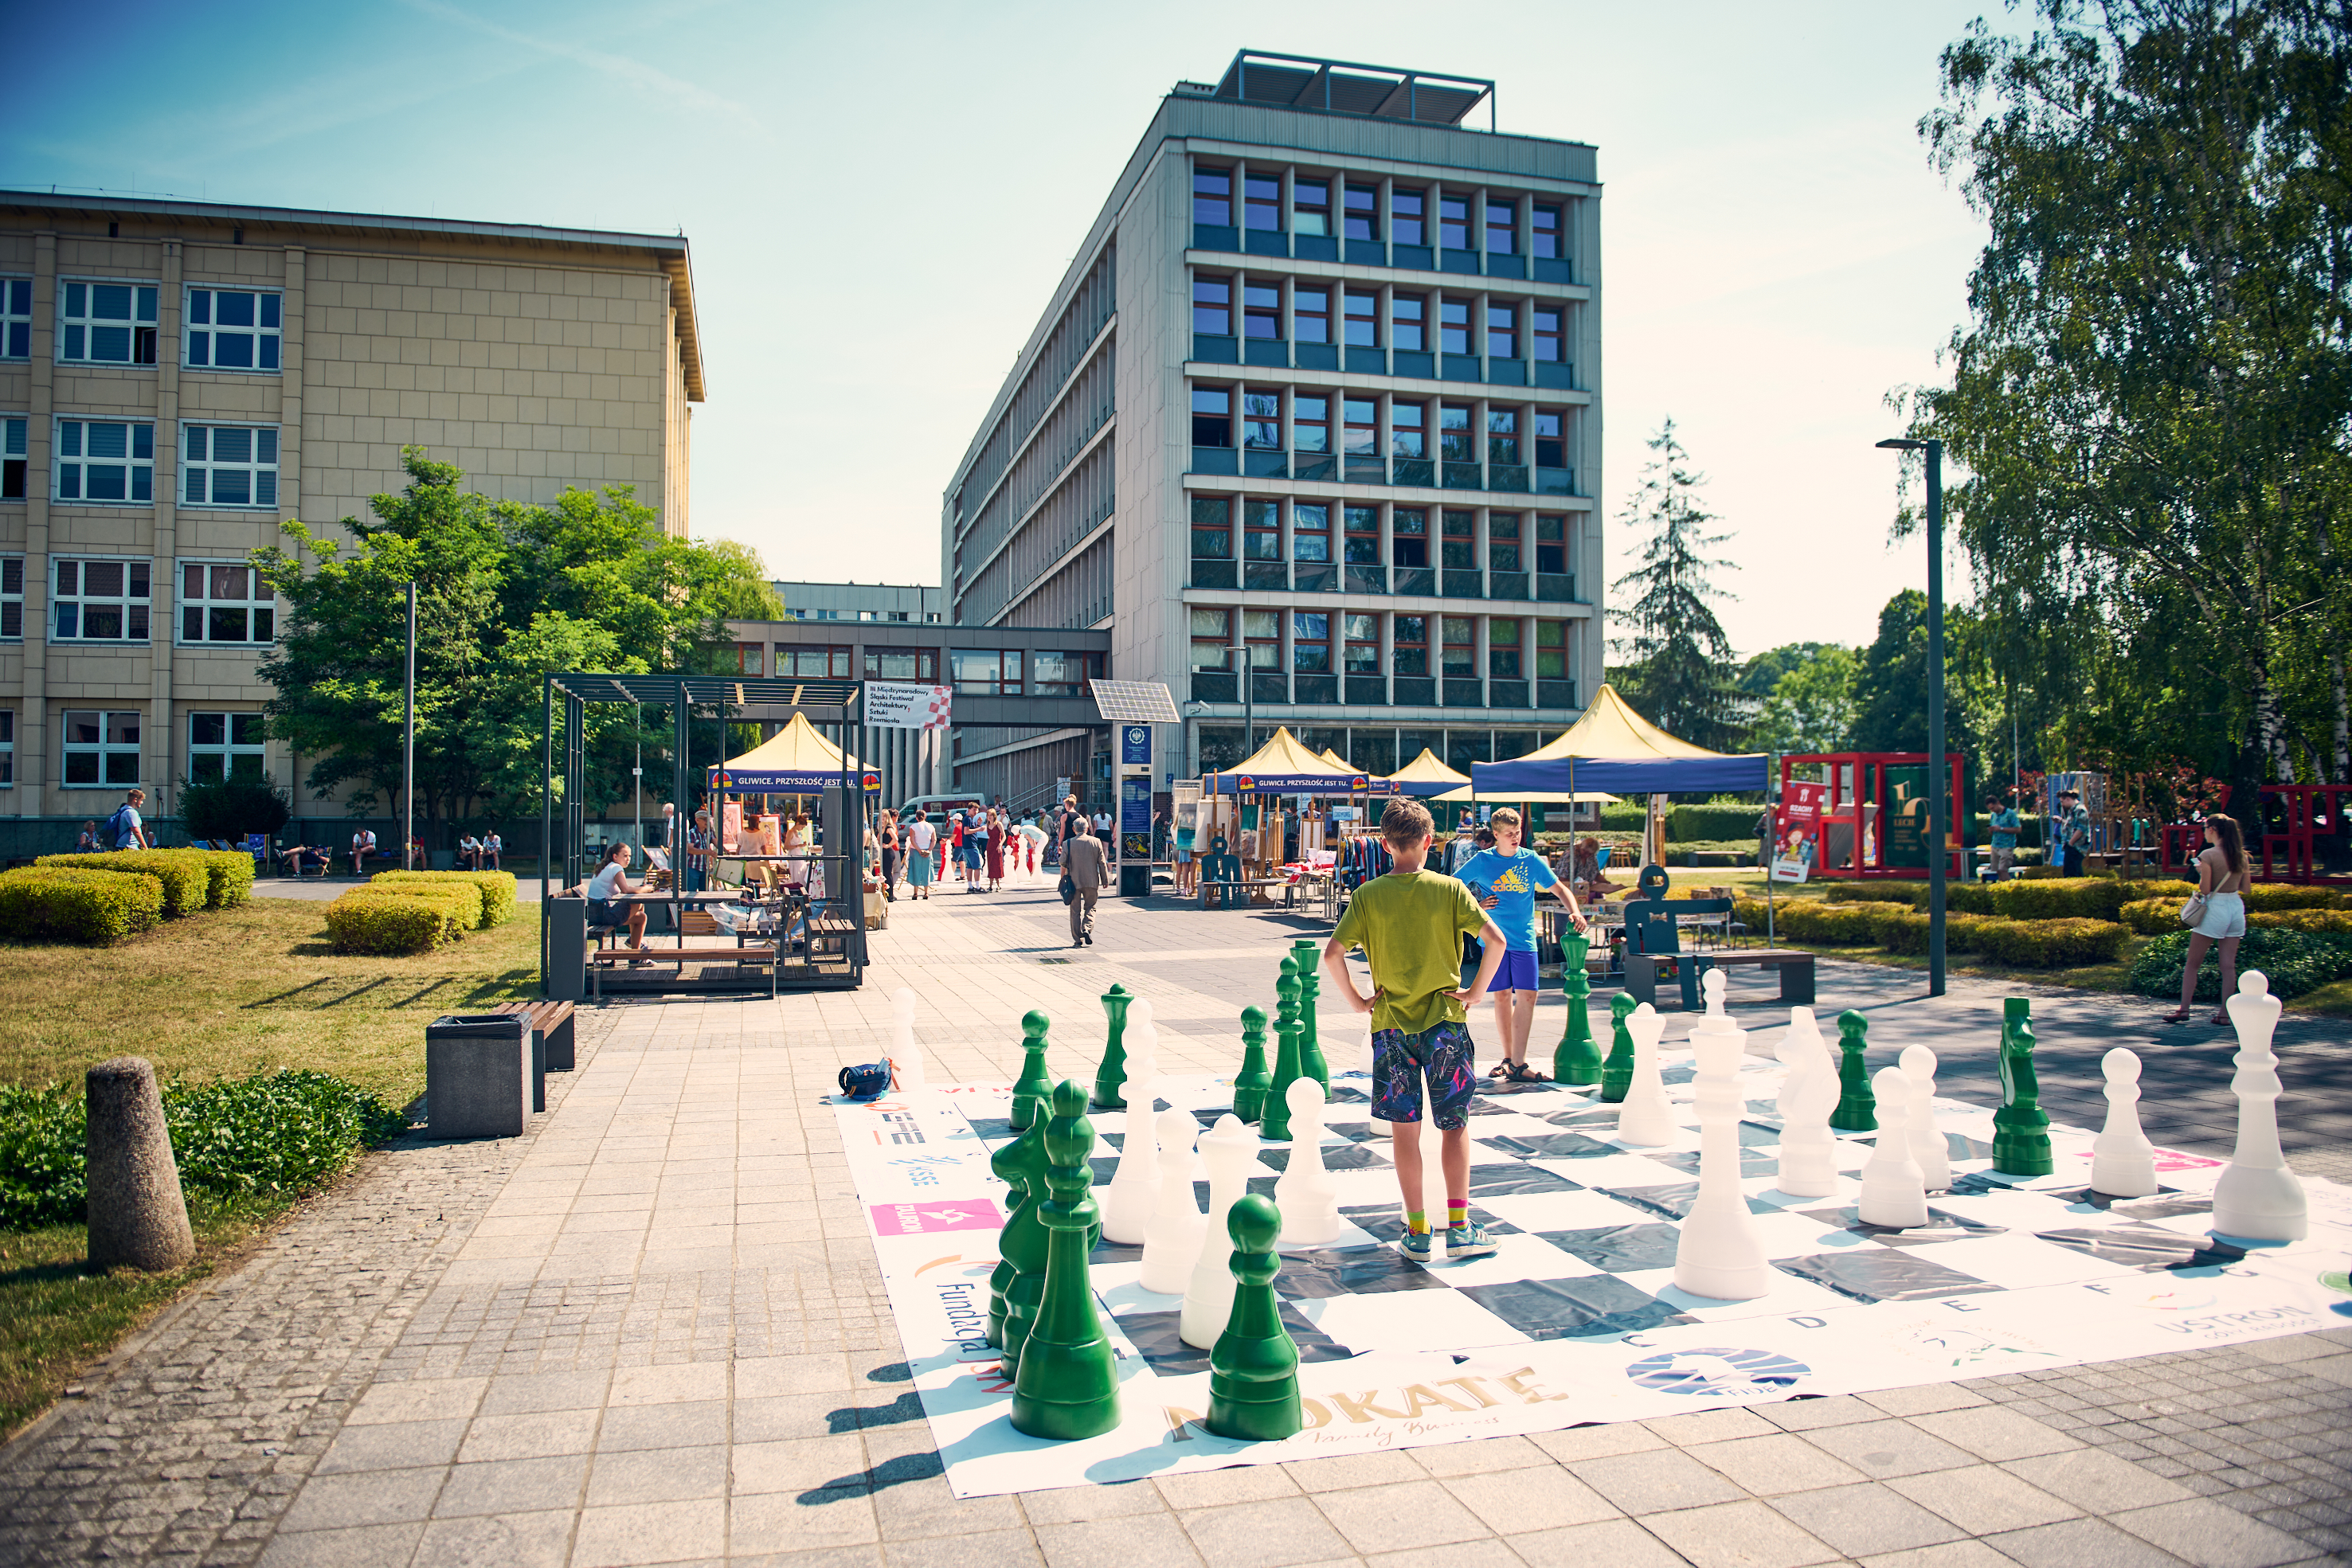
(1135, 702)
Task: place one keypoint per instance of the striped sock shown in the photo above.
(1457, 1215)
(1417, 1221)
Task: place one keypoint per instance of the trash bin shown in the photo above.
(567, 947)
(479, 1081)
(1135, 879)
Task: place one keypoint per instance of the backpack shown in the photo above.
(116, 827)
(868, 1081)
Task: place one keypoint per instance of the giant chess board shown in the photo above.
(1575, 1318)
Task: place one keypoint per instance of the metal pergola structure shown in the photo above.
(736, 699)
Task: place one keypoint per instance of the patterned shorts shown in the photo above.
(1398, 1060)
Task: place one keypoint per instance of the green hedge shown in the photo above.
(2270, 896)
(1906, 931)
(2292, 961)
(2320, 921)
(495, 890)
(410, 920)
(187, 881)
(71, 904)
(2154, 916)
(2051, 943)
(1914, 894)
(228, 877)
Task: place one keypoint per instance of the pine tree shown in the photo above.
(1678, 664)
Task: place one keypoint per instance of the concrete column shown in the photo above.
(163, 586)
(290, 387)
(34, 763)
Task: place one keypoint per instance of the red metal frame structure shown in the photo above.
(1853, 843)
(2306, 833)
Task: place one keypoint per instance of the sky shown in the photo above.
(881, 200)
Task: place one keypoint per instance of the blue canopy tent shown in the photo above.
(1612, 748)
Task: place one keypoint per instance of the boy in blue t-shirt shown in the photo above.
(1505, 880)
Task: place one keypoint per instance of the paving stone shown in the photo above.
(1781, 1462)
(1951, 1554)
(1737, 1535)
(509, 1486)
(1619, 1542)
(1486, 1454)
(2206, 1532)
(504, 1540)
(1886, 1448)
(1511, 1503)
(2078, 1543)
(1135, 1542)
(1983, 1498)
(649, 1532)
(2095, 1481)
(1651, 1482)
(1275, 1533)
(1703, 1426)
(1067, 1505)
(1927, 1398)
(1400, 1516)
(1865, 1517)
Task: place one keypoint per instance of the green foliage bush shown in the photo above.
(1906, 931)
(2320, 921)
(2267, 896)
(2061, 944)
(496, 889)
(2292, 961)
(409, 920)
(1687, 825)
(1914, 894)
(228, 877)
(69, 903)
(2154, 916)
(279, 1134)
(231, 808)
(1811, 920)
(187, 882)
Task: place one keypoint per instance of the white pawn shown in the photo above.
(2123, 1162)
(1229, 1151)
(1134, 1189)
(1171, 1242)
(1808, 1148)
(1927, 1145)
(2258, 1198)
(1305, 1191)
(905, 1056)
(1644, 1117)
(1892, 1193)
(1713, 985)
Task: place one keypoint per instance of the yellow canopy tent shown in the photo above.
(1283, 767)
(1334, 759)
(795, 760)
(1425, 775)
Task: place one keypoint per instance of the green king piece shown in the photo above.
(1254, 1370)
(1275, 1124)
(1307, 955)
(1577, 1059)
(1617, 1072)
(1110, 1077)
(1066, 1386)
(1030, 1090)
(1018, 1280)
(1251, 1084)
(1857, 1107)
(2021, 1131)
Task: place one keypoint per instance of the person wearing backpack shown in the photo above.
(125, 829)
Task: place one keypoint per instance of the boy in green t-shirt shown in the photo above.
(1411, 923)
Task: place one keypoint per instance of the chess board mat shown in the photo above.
(1575, 1319)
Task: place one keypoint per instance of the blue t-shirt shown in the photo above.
(2005, 829)
(1513, 880)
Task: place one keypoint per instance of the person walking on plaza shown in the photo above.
(975, 833)
(125, 830)
(996, 848)
(2073, 827)
(2217, 914)
(1087, 867)
(921, 838)
(1411, 923)
(1506, 880)
(2002, 816)
(886, 833)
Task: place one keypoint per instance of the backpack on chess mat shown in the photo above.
(870, 1081)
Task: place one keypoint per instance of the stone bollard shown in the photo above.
(137, 1215)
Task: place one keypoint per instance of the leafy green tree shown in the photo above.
(1677, 661)
(1890, 684)
(1762, 671)
(1810, 706)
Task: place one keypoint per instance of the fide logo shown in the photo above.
(1720, 1374)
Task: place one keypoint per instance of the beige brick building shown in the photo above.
(178, 379)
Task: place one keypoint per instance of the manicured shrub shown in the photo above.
(1912, 894)
(2320, 921)
(408, 920)
(2292, 961)
(1810, 920)
(1689, 825)
(2051, 943)
(1906, 931)
(187, 882)
(2271, 896)
(422, 882)
(228, 877)
(496, 889)
(2154, 916)
(69, 903)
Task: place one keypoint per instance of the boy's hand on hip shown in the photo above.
(1362, 1004)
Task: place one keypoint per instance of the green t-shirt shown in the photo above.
(1412, 929)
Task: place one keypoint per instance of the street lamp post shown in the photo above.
(1939, 770)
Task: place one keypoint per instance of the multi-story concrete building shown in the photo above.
(912, 602)
(178, 379)
(1322, 383)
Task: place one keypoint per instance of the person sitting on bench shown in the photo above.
(611, 880)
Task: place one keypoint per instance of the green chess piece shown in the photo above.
(1066, 1386)
(1254, 1370)
(2020, 1130)
(1029, 1091)
(1018, 1280)
(1577, 1059)
(1275, 1124)
(1617, 1072)
(1857, 1107)
(1251, 1084)
(1110, 1077)
(1307, 954)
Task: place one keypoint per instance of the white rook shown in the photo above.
(2258, 1198)
(1808, 1148)
(1718, 1255)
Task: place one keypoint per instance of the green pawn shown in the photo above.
(1857, 1107)
(1286, 1069)
(1577, 1059)
(1018, 1280)
(1254, 1370)
(1617, 1072)
(1110, 1077)
(1307, 955)
(1066, 1386)
(2021, 1131)
(1029, 1091)
(1251, 1084)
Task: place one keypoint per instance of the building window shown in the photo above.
(814, 664)
(1262, 419)
(1552, 650)
(1363, 427)
(1502, 435)
(1501, 331)
(1459, 545)
(12, 597)
(102, 749)
(1407, 436)
(1363, 215)
(1311, 315)
(229, 465)
(1461, 649)
(1406, 213)
(1551, 448)
(1212, 306)
(1363, 536)
(1503, 541)
(1412, 644)
(740, 659)
(1261, 202)
(231, 329)
(905, 664)
(1310, 531)
(1551, 334)
(13, 437)
(1056, 674)
(1212, 529)
(1310, 423)
(985, 672)
(1363, 320)
(1454, 326)
(1261, 530)
(1311, 642)
(1408, 322)
(1546, 240)
(1503, 648)
(1212, 416)
(100, 600)
(105, 460)
(1363, 644)
(7, 746)
(1310, 206)
(1212, 197)
(1262, 310)
(1552, 544)
(1212, 638)
(1453, 222)
(15, 320)
(224, 745)
(1456, 442)
(1408, 538)
(220, 602)
(1502, 227)
(107, 324)
(1262, 630)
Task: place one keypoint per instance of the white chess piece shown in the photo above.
(1927, 1145)
(1134, 1189)
(1364, 1052)
(1714, 986)
(1892, 1193)
(1171, 1242)
(1808, 1148)
(2258, 1198)
(1644, 1118)
(1305, 1191)
(1229, 1151)
(2123, 1162)
(905, 1056)
(1719, 1254)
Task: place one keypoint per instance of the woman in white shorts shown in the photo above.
(2221, 885)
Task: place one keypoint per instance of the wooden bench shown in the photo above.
(754, 952)
(1796, 969)
(551, 1022)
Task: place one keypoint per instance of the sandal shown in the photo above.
(1522, 1073)
(2219, 1017)
(2178, 1015)
(1500, 1070)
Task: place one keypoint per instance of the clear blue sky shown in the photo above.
(880, 198)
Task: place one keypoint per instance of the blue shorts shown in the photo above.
(1399, 1062)
(1516, 973)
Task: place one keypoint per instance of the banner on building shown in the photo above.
(892, 705)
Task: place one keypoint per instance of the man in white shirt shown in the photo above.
(363, 846)
(921, 839)
(129, 834)
(492, 847)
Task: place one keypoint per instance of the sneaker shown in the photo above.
(1467, 1240)
(1416, 1244)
